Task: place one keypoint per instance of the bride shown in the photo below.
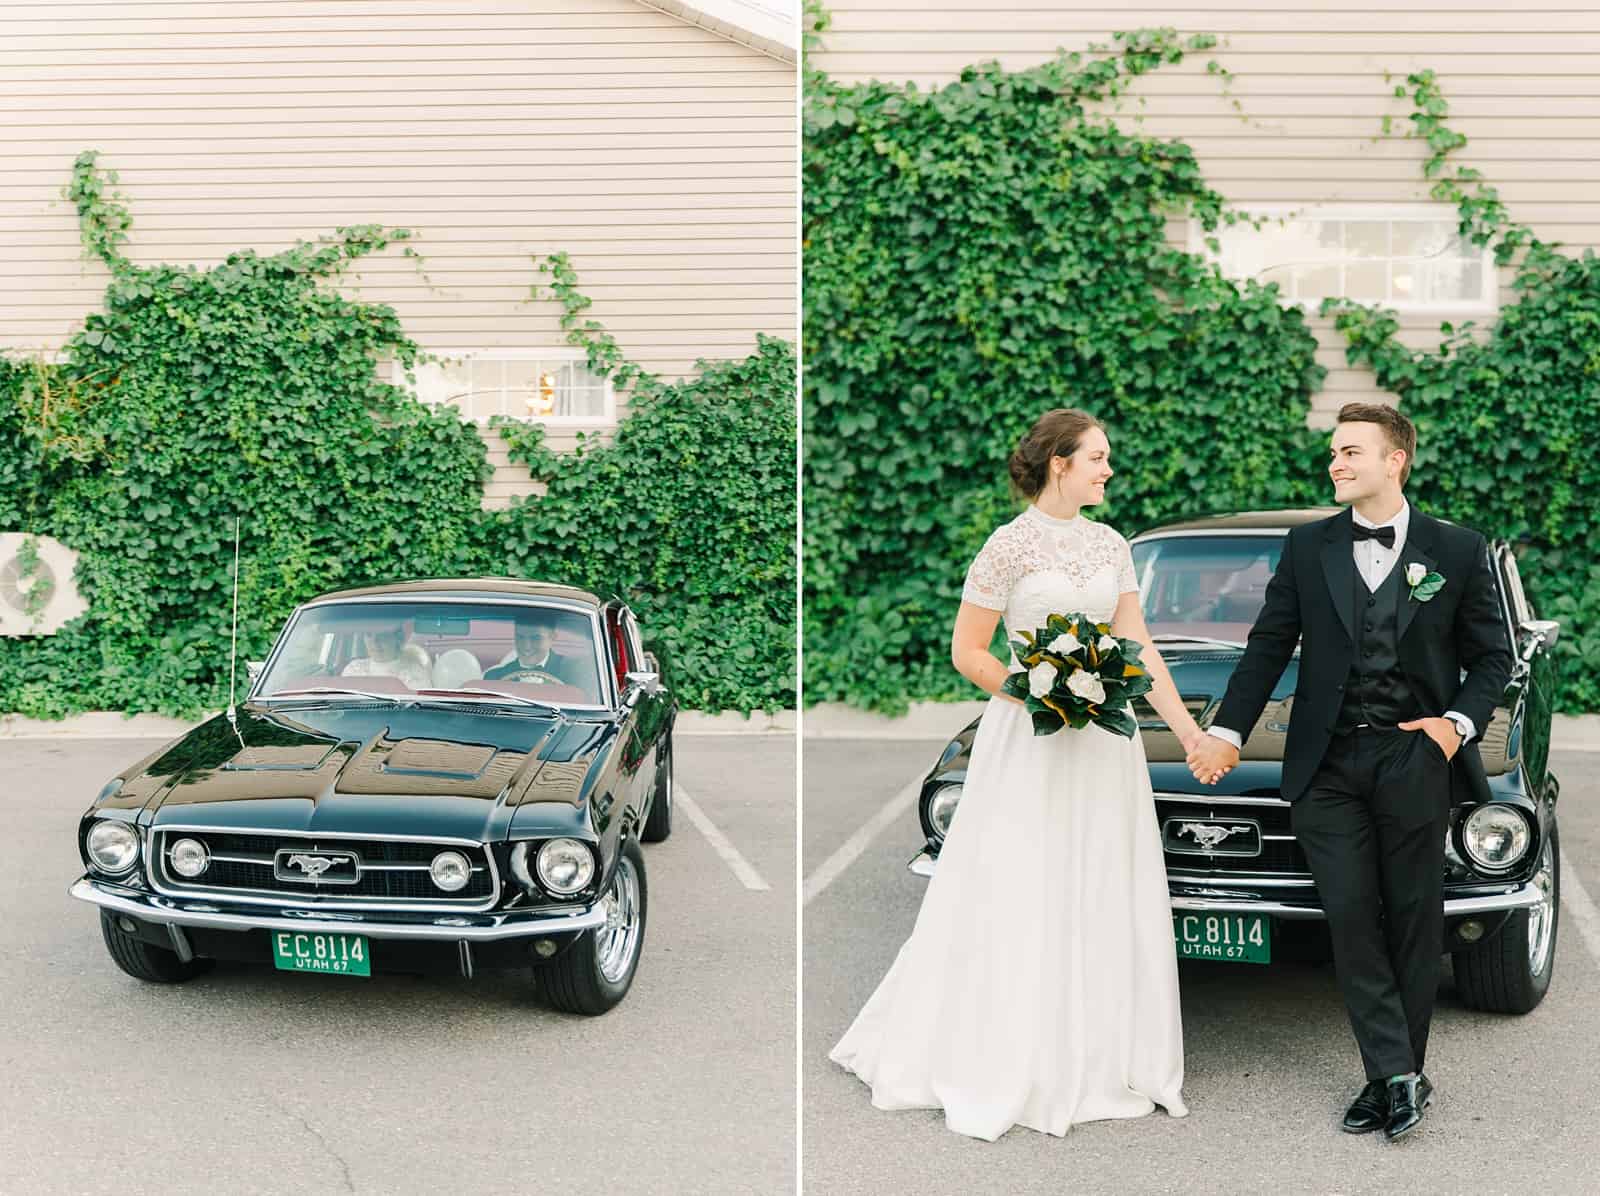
(1039, 986)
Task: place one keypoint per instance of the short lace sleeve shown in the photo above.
(1127, 576)
(993, 572)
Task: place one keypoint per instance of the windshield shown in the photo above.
(488, 651)
(1205, 587)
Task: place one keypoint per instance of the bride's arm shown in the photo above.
(969, 649)
(1128, 623)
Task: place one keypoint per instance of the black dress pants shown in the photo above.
(1372, 825)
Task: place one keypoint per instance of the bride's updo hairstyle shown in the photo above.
(1057, 434)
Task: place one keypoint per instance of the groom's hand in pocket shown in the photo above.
(1211, 759)
(1441, 730)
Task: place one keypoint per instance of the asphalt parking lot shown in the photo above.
(253, 1080)
(1270, 1063)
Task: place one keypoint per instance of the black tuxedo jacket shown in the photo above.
(1310, 599)
(556, 666)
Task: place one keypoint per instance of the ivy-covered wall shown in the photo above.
(251, 389)
(978, 253)
(973, 256)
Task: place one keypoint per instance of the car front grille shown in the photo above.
(1280, 861)
(389, 872)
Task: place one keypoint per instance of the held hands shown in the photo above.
(1210, 759)
(1441, 730)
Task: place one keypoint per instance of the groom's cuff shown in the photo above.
(1465, 725)
(1227, 736)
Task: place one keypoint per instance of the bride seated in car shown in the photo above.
(389, 654)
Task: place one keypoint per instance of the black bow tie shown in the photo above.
(1383, 535)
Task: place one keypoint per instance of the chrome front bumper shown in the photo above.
(1513, 898)
(472, 928)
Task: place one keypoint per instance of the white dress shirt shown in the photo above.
(1374, 562)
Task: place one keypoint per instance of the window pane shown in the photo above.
(1367, 281)
(1423, 238)
(1444, 281)
(484, 384)
(1316, 282)
(1366, 238)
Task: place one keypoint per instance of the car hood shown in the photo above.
(361, 769)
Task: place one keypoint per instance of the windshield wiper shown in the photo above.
(501, 697)
(1195, 639)
(335, 690)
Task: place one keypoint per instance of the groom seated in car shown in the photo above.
(535, 661)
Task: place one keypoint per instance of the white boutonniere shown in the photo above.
(1424, 585)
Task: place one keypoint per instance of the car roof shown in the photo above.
(467, 588)
(1253, 521)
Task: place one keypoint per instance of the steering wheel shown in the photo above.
(537, 677)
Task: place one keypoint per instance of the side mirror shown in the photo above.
(1541, 633)
(639, 685)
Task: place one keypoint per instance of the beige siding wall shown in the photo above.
(659, 155)
(1523, 87)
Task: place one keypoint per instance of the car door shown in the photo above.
(635, 755)
(1533, 672)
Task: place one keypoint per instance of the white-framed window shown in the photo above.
(553, 386)
(1405, 256)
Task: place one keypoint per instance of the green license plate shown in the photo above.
(341, 954)
(1231, 938)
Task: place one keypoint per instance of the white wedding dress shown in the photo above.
(1039, 986)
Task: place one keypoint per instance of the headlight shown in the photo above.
(189, 857)
(450, 871)
(1496, 836)
(112, 846)
(565, 865)
(942, 808)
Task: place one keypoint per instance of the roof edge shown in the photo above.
(743, 23)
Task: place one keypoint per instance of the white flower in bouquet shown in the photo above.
(1041, 679)
(1064, 644)
(1087, 686)
(1107, 645)
(1415, 573)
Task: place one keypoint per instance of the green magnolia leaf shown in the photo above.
(1121, 722)
(1427, 587)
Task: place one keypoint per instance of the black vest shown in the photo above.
(1377, 692)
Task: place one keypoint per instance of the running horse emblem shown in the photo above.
(312, 865)
(1209, 834)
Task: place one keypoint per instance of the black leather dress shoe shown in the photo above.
(1370, 1110)
(1407, 1100)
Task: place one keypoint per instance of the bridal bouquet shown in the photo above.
(1078, 673)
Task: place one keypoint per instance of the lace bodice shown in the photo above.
(1038, 565)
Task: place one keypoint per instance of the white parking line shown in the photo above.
(1580, 907)
(833, 867)
(748, 876)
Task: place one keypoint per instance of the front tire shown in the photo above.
(1510, 973)
(659, 825)
(145, 961)
(595, 973)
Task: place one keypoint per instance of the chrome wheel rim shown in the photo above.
(617, 940)
(666, 794)
(1542, 917)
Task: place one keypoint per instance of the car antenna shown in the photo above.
(233, 649)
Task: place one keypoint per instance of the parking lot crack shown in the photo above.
(344, 1167)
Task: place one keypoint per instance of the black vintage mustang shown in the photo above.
(436, 773)
(1237, 879)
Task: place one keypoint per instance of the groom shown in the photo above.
(1402, 658)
